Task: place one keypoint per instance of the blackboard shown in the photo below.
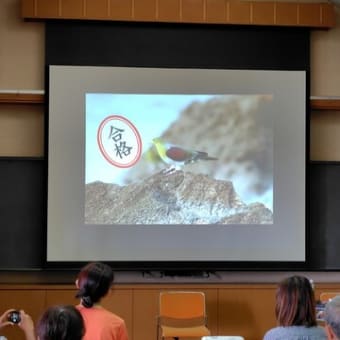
(324, 214)
(22, 213)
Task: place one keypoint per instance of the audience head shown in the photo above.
(93, 282)
(61, 323)
(332, 318)
(295, 302)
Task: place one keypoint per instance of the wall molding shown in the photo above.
(22, 97)
(38, 97)
(325, 103)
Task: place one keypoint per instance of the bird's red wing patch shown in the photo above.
(178, 154)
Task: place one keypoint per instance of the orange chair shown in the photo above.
(326, 296)
(320, 307)
(182, 314)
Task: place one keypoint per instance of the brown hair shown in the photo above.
(295, 302)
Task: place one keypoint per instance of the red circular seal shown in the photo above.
(119, 141)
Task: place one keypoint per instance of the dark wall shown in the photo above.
(325, 215)
(22, 210)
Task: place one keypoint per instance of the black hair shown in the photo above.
(94, 281)
(61, 322)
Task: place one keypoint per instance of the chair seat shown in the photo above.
(195, 331)
(223, 337)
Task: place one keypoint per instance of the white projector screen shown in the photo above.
(126, 183)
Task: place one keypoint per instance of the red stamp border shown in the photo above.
(136, 133)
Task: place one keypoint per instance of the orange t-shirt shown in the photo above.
(101, 324)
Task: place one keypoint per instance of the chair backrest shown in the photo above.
(223, 337)
(326, 296)
(182, 304)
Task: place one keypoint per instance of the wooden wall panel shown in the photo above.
(286, 13)
(239, 12)
(61, 296)
(327, 15)
(216, 11)
(48, 9)
(169, 10)
(263, 13)
(211, 298)
(121, 9)
(98, 9)
(28, 7)
(144, 10)
(319, 14)
(145, 311)
(312, 15)
(246, 311)
(30, 300)
(72, 9)
(193, 11)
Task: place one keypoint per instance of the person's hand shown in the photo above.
(3, 318)
(27, 325)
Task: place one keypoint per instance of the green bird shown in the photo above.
(176, 156)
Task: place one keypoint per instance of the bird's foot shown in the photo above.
(169, 171)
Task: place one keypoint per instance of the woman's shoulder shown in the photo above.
(100, 312)
(296, 333)
(274, 332)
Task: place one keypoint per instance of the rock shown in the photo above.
(176, 198)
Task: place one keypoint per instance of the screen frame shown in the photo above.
(204, 265)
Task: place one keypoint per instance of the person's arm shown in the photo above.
(27, 325)
(3, 318)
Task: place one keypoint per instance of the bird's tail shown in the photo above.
(204, 156)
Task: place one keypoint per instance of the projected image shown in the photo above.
(178, 159)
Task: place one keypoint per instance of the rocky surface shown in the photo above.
(176, 198)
